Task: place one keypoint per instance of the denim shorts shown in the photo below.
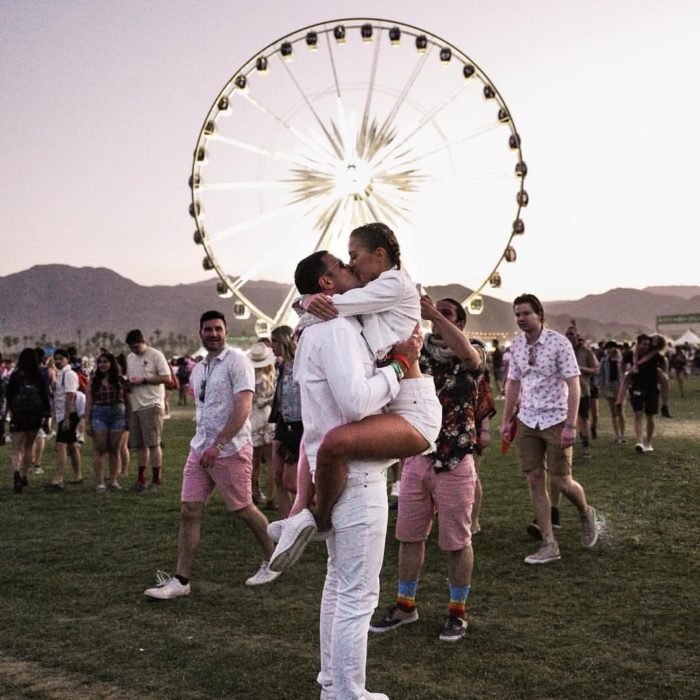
(110, 418)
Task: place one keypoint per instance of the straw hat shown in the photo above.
(261, 355)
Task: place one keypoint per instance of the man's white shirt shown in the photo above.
(339, 383)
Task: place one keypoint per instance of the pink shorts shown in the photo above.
(450, 494)
(231, 474)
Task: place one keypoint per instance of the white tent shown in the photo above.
(687, 337)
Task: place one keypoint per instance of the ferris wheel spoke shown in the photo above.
(417, 158)
(252, 148)
(278, 246)
(427, 118)
(333, 68)
(316, 146)
(384, 205)
(318, 119)
(422, 60)
(361, 144)
(247, 185)
(251, 223)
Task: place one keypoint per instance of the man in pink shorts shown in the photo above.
(445, 479)
(220, 455)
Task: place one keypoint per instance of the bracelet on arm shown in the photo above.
(402, 360)
(570, 426)
(398, 369)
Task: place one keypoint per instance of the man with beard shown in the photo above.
(543, 377)
(221, 455)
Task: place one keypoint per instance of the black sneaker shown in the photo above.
(455, 628)
(665, 412)
(19, 482)
(395, 617)
(533, 529)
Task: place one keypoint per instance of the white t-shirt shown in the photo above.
(151, 363)
(66, 383)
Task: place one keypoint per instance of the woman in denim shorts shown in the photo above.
(105, 417)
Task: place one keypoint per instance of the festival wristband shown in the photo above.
(402, 360)
(398, 369)
(570, 426)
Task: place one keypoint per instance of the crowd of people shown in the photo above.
(328, 407)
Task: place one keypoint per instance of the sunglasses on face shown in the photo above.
(339, 264)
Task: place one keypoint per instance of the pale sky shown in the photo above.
(103, 103)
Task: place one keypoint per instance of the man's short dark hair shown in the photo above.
(308, 271)
(642, 337)
(211, 316)
(459, 309)
(534, 302)
(62, 352)
(134, 336)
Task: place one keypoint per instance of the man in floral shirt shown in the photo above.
(543, 377)
(443, 480)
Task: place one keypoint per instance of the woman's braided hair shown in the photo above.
(376, 235)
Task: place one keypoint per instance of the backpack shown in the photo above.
(83, 380)
(27, 399)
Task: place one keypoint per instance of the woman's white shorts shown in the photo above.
(418, 404)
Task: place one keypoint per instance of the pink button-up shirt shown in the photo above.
(542, 370)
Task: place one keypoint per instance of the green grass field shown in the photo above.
(619, 621)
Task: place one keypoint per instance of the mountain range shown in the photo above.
(51, 302)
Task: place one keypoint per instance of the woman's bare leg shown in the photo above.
(305, 485)
(384, 436)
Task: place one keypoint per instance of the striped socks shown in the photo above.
(406, 595)
(458, 601)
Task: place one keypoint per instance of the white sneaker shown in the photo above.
(264, 575)
(168, 587)
(648, 448)
(548, 552)
(395, 489)
(297, 532)
(639, 447)
(274, 530)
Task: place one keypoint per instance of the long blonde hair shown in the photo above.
(284, 336)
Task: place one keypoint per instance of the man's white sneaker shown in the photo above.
(297, 532)
(263, 575)
(639, 447)
(274, 529)
(395, 489)
(168, 587)
(589, 525)
(548, 552)
(648, 448)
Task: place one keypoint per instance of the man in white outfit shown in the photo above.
(340, 384)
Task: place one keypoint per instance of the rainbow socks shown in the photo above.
(458, 601)
(406, 595)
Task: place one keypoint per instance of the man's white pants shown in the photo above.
(351, 590)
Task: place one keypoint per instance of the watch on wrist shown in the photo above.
(219, 446)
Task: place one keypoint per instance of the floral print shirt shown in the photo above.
(542, 369)
(456, 388)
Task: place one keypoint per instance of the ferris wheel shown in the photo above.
(351, 121)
